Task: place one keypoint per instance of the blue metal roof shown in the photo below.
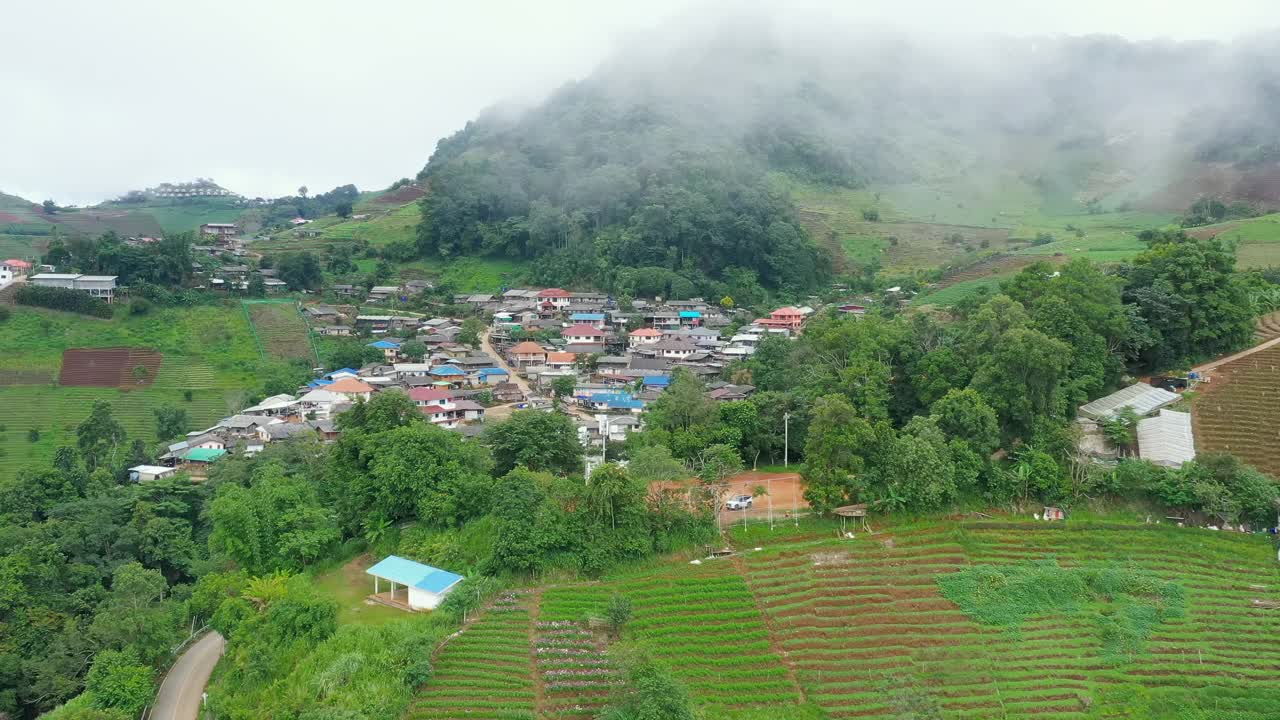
(657, 380)
(587, 316)
(446, 370)
(384, 345)
(625, 404)
(319, 383)
(690, 314)
(343, 371)
(493, 371)
(414, 574)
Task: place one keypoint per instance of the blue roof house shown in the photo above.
(424, 586)
(385, 345)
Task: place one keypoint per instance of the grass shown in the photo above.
(349, 585)
(810, 625)
(208, 351)
(281, 330)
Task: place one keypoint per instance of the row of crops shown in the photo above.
(869, 634)
(1239, 411)
(281, 329)
(484, 673)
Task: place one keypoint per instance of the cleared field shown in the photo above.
(1239, 410)
(486, 672)
(282, 331)
(125, 368)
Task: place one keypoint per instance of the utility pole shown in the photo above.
(786, 439)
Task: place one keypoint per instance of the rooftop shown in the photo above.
(414, 574)
(1143, 398)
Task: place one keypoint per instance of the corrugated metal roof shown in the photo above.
(1167, 439)
(414, 574)
(1143, 398)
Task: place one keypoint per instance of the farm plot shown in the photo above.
(125, 368)
(282, 331)
(486, 672)
(573, 668)
(1266, 327)
(869, 633)
(702, 621)
(1239, 411)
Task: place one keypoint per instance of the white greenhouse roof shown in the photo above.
(1167, 439)
(1143, 398)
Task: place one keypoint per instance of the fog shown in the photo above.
(101, 98)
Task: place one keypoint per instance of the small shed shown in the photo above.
(425, 586)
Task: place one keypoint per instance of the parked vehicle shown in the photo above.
(738, 502)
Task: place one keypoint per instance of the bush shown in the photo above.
(4, 313)
(62, 299)
(33, 435)
(139, 306)
(617, 613)
(871, 215)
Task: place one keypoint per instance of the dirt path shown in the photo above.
(487, 347)
(1232, 358)
(539, 686)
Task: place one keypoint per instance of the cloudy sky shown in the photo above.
(266, 95)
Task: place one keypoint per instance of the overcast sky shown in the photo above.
(266, 95)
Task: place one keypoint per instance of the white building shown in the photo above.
(99, 286)
(1167, 439)
(423, 587)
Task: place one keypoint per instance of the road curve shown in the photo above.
(180, 692)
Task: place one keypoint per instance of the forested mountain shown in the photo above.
(661, 158)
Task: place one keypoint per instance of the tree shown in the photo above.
(655, 464)
(278, 523)
(50, 207)
(840, 451)
(301, 270)
(302, 191)
(119, 681)
(414, 350)
(1021, 377)
(171, 422)
(617, 613)
(563, 387)
(963, 414)
(650, 693)
(470, 333)
(539, 441)
(343, 209)
(100, 436)
(257, 286)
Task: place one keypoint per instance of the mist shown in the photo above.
(101, 99)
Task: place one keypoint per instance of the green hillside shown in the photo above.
(208, 351)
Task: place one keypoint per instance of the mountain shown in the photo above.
(672, 166)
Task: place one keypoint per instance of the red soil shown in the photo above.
(110, 367)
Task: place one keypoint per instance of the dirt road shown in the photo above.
(487, 347)
(181, 693)
(1231, 358)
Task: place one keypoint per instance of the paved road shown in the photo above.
(180, 693)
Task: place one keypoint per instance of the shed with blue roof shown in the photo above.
(385, 345)
(425, 586)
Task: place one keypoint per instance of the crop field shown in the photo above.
(1239, 410)
(125, 368)
(282, 331)
(486, 672)
(54, 412)
(813, 626)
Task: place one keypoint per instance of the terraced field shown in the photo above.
(812, 626)
(282, 331)
(1266, 327)
(1239, 410)
(485, 673)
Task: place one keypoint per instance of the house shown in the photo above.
(595, 320)
(560, 360)
(198, 460)
(425, 587)
(614, 402)
(344, 290)
(448, 373)
(218, 230)
(581, 334)
(415, 287)
(13, 269)
(382, 293)
(390, 349)
(320, 312)
(612, 363)
(671, 348)
(274, 286)
(241, 425)
(492, 376)
(643, 336)
(507, 392)
(299, 221)
(350, 388)
(788, 318)
(527, 353)
(99, 286)
(1167, 439)
(373, 324)
(282, 431)
(322, 403)
(407, 370)
(558, 298)
(663, 320)
(426, 395)
(274, 406)
(335, 330)
(728, 393)
(146, 473)
(690, 318)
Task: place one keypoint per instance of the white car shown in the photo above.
(738, 502)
